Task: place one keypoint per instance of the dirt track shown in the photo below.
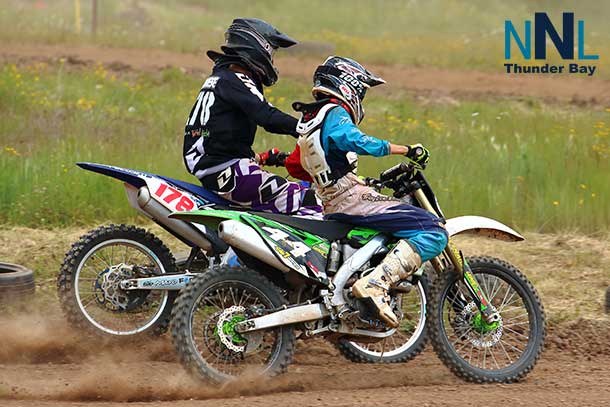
(557, 381)
(427, 82)
(43, 362)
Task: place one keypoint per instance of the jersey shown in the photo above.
(340, 135)
(222, 124)
(328, 144)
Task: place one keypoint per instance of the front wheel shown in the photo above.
(503, 351)
(204, 320)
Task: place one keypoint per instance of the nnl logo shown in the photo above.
(543, 26)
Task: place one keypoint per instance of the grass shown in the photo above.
(443, 33)
(532, 166)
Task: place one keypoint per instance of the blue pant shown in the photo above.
(419, 227)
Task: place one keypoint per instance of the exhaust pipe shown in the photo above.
(159, 213)
(246, 239)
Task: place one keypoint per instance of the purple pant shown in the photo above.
(267, 192)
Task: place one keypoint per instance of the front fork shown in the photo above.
(461, 266)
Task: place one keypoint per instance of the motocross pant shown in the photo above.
(349, 200)
(246, 184)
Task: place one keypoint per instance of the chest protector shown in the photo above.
(313, 158)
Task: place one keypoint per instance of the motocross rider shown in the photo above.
(221, 126)
(328, 131)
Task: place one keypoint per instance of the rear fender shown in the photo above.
(170, 196)
(131, 177)
(142, 187)
(480, 225)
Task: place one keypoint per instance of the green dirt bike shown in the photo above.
(484, 317)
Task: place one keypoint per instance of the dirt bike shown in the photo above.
(120, 280)
(485, 319)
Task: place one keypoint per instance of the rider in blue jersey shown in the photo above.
(328, 134)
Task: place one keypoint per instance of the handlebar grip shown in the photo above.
(393, 172)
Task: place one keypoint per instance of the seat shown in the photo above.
(328, 229)
(198, 190)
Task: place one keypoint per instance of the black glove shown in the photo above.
(273, 157)
(418, 154)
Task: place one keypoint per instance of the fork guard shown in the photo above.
(483, 226)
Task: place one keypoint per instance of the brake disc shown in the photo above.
(113, 294)
(231, 339)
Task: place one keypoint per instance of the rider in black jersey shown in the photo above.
(221, 126)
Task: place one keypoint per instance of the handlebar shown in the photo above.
(394, 172)
(390, 178)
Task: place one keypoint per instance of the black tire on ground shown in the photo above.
(80, 249)
(518, 369)
(16, 282)
(354, 353)
(185, 306)
(608, 300)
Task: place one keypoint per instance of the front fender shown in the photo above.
(481, 226)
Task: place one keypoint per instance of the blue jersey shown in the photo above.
(340, 135)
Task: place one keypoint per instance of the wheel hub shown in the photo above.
(111, 279)
(472, 326)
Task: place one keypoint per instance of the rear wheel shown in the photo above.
(503, 351)
(410, 337)
(204, 319)
(90, 276)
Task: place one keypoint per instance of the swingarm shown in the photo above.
(171, 282)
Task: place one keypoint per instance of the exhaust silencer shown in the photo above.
(246, 239)
(160, 214)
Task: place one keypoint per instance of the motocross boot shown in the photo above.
(398, 265)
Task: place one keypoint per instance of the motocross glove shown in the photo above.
(273, 157)
(418, 154)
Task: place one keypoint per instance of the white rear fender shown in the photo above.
(480, 225)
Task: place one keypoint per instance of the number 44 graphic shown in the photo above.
(299, 249)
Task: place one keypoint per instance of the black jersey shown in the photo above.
(223, 121)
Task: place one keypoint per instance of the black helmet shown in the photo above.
(253, 42)
(346, 80)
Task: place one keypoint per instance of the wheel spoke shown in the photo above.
(515, 332)
(124, 312)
